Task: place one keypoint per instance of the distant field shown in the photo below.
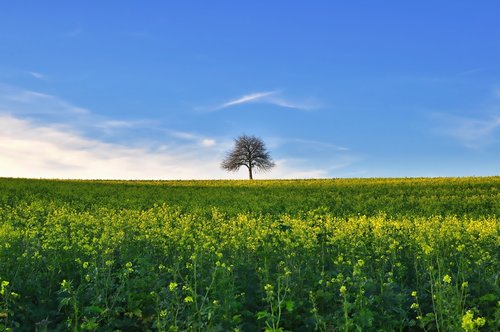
(295, 255)
(341, 197)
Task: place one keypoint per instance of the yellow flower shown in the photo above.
(447, 279)
(5, 283)
(471, 324)
(65, 284)
(343, 290)
(172, 286)
(188, 299)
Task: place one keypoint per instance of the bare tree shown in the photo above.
(248, 151)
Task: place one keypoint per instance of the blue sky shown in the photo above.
(159, 90)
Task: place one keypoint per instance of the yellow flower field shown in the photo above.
(305, 255)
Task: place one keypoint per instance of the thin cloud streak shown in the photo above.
(109, 125)
(192, 137)
(267, 97)
(36, 75)
(27, 102)
(496, 93)
(247, 99)
(323, 159)
(46, 108)
(470, 132)
(303, 106)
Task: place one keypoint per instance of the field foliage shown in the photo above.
(301, 255)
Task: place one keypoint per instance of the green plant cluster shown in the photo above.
(308, 255)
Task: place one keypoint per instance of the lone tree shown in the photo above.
(248, 151)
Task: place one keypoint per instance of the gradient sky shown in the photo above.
(159, 90)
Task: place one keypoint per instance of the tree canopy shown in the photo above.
(248, 151)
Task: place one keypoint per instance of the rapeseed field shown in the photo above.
(284, 255)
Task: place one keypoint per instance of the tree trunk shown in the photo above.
(250, 172)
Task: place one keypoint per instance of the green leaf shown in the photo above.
(365, 318)
(262, 314)
(94, 309)
(64, 302)
(488, 298)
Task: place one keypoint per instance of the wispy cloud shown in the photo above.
(47, 108)
(43, 151)
(36, 75)
(27, 102)
(299, 168)
(470, 132)
(269, 97)
(496, 92)
(31, 150)
(118, 124)
(254, 97)
(316, 158)
(208, 142)
(44, 136)
(285, 170)
(192, 137)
